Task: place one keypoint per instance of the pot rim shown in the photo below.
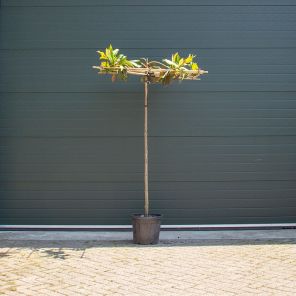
(150, 217)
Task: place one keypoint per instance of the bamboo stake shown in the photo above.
(146, 202)
(149, 72)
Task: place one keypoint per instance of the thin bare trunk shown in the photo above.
(146, 203)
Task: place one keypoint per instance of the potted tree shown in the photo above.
(146, 227)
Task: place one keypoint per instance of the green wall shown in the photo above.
(222, 150)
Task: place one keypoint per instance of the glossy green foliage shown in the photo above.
(180, 68)
(111, 58)
(177, 68)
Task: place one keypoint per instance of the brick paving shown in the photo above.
(171, 268)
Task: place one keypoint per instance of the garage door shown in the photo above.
(222, 150)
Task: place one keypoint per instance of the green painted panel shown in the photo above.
(222, 150)
(70, 71)
(83, 3)
(171, 114)
(79, 27)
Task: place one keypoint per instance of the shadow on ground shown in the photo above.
(59, 254)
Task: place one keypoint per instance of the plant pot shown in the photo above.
(146, 229)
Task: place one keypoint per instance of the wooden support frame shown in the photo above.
(152, 72)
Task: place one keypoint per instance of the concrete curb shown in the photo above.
(164, 235)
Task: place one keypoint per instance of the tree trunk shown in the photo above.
(146, 202)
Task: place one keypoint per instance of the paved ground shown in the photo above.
(183, 267)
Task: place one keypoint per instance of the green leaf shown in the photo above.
(189, 59)
(194, 66)
(135, 63)
(105, 64)
(108, 55)
(176, 58)
(102, 55)
(171, 63)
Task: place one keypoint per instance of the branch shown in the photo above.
(146, 71)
